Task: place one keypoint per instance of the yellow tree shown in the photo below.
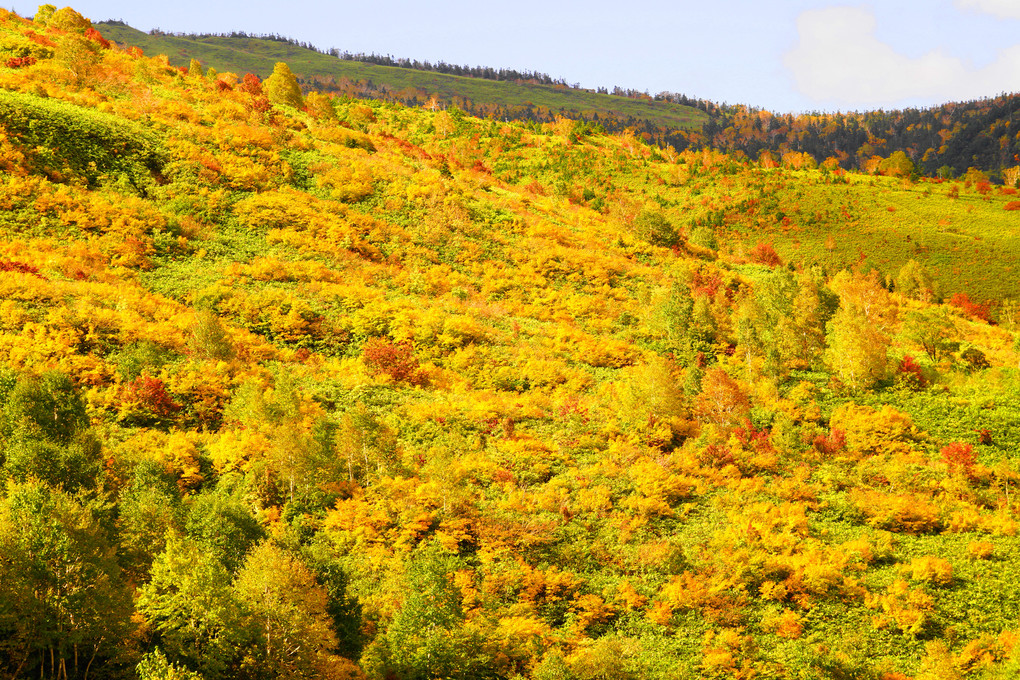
(282, 87)
(859, 331)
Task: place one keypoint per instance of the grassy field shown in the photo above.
(258, 56)
(967, 243)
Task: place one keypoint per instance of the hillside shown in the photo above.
(320, 71)
(942, 141)
(303, 386)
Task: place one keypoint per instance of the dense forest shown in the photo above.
(295, 385)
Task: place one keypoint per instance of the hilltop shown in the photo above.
(517, 99)
(294, 385)
(943, 141)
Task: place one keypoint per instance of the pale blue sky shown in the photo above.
(790, 55)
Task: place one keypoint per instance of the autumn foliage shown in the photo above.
(359, 390)
(394, 359)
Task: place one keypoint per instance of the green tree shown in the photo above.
(43, 14)
(898, 165)
(781, 319)
(68, 19)
(76, 52)
(343, 609)
(320, 106)
(651, 225)
(288, 609)
(223, 524)
(45, 434)
(189, 601)
(64, 607)
(689, 329)
(932, 329)
(209, 339)
(282, 87)
(914, 281)
(148, 507)
(813, 306)
(427, 637)
(155, 666)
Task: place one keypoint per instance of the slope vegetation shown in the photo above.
(527, 100)
(362, 390)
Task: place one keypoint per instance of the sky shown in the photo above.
(781, 55)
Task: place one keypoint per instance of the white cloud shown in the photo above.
(1004, 9)
(838, 59)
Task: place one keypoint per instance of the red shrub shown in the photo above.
(975, 310)
(40, 39)
(834, 443)
(705, 285)
(18, 62)
(21, 268)
(1012, 205)
(960, 458)
(717, 456)
(148, 400)
(754, 439)
(95, 36)
(395, 359)
(910, 371)
(251, 84)
(765, 253)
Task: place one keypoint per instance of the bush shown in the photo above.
(395, 359)
(960, 458)
(63, 138)
(910, 375)
(652, 226)
(146, 403)
(975, 310)
(980, 550)
(764, 253)
(932, 570)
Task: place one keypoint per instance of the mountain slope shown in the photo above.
(258, 55)
(368, 390)
(940, 141)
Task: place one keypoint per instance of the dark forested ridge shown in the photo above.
(942, 141)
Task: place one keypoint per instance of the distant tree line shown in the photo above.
(234, 34)
(944, 140)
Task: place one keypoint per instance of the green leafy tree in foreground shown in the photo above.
(64, 608)
(287, 611)
(427, 638)
(45, 433)
(190, 603)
